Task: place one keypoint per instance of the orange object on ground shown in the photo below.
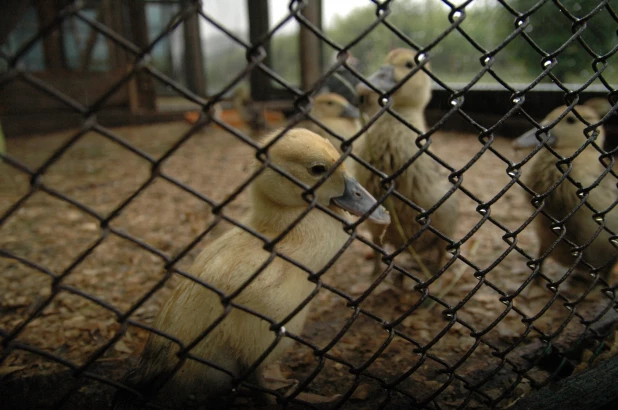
(232, 118)
(192, 116)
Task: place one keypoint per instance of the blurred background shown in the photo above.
(203, 58)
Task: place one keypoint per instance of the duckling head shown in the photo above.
(309, 158)
(567, 133)
(331, 105)
(415, 92)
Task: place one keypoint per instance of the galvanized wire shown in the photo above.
(255, 54)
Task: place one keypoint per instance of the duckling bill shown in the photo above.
(358, 201)
(260, 281)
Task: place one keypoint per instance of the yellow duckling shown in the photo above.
(566, 137)
(600, 105)
(337, 114)
(277, 287)
(389, 144)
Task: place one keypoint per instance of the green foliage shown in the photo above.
(285, 55)
(550, 29)
(454, 59)
(420, 22)
(224, 63)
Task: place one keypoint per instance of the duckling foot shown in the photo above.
(274, 379)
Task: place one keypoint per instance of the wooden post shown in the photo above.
(310, 46)
(53, 48)
(258, 26)
(112, 15)
(194, 60)
(86, 55)
(142, 95)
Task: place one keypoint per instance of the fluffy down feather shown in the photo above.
(389, 144)
(566, 137)
(241, 338)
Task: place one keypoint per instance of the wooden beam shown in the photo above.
(15, 125)
(311, 46)
(19, 97)
(194, 59)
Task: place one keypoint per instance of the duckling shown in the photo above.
(249, 112)
(566, 137)
(337, 114)
(277, 289)
(389, 144)
(600, 105)
(343, 82)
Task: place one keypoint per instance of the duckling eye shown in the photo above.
(317, 169)
(330, 103)
(571, 120)
(410, 65)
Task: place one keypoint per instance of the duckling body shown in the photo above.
(389, 144)
(275, 290)
(338, 115)
(600, 105)
(566, 137)
(241, 338)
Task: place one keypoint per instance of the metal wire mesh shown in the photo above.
(451, 385)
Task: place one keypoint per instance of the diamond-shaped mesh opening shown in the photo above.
(91, 158)
(80, 335)
(157, 262)
(38, 221)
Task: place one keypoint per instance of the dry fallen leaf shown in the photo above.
(6, 370)
(122, 347)
(359, 288)
(316, 398)
(361, 392)
(275, 379)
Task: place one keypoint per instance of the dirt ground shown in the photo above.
(422, 356)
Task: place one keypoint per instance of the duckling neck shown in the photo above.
(589, 151)
(271, 219)
(413, 114)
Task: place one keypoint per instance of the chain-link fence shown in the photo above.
(100, 227)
